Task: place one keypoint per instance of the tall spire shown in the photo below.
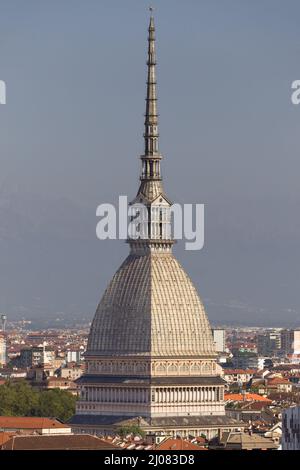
(151, 157)
(156, 233)
(151, 116)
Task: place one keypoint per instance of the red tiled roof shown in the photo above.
(278, 380)
(177, 444)
(18, 422)
(5, 436)
(200, 440)
(63, 442)
(62, 380)
(245, 397)
(255, 405)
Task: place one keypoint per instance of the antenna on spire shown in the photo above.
(151, 9)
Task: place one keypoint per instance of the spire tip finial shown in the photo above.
(151, 115)
(151, 25)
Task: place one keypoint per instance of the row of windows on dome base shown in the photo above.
(154, 367)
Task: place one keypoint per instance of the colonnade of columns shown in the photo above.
(116, 395)
(151, 168)
(195, 394)
(187, 394)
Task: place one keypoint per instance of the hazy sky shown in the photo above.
(71, 134)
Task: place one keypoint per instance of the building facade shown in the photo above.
(291, 428)
(35, 356)
(269, 344)
(245, 360)
(150, 356)
(290, 342)
(219, 336)
(74, 356)
(238, 375)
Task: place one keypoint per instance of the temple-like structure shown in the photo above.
(150, 358)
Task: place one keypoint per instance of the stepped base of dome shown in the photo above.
(210, 426)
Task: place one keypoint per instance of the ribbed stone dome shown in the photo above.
(151, 308)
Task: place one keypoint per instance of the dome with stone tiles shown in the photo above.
(151, 308)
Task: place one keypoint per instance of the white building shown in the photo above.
(74, 356)
(33, 425)
(238, 375)
(2, 351)
(219, 340)
(71, 371)
(291, 428)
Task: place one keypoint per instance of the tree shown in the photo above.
(58, 403)
(133, 429)
(17, 399)
(20, 399)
